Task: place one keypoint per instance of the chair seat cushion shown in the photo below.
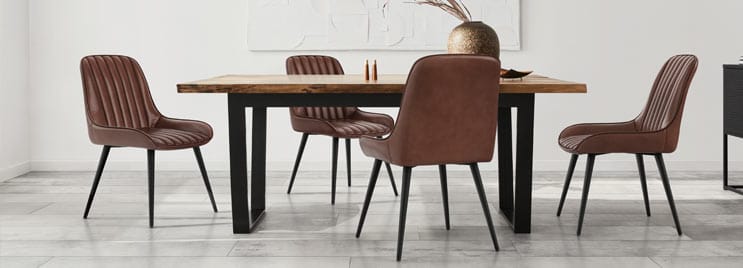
(166, 134)
(611, 138)
(345, 128)
(176, 139)
(357, 128)
(354, 126)
(571, 143)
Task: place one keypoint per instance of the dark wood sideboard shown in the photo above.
(732, 116)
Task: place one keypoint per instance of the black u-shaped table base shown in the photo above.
(249, 201)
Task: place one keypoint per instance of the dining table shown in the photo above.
(260, 92)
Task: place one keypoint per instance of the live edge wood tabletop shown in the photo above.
(293, 84)
(259, 92)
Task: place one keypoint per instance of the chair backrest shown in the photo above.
(665, 105)
(116, 93)
(317, 65)
(449, 111)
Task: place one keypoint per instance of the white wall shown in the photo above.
(616, 47)
(14, 151)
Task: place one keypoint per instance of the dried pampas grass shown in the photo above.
(454, 7)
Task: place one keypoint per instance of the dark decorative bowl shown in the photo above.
(513, 74)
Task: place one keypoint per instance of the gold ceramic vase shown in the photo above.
(474, 37)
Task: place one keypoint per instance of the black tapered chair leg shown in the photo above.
(406, 172)
(392, 177)
(151, 184)
(200, 161)
(444, 194)
(97, 179)
(566, 187)
(348, 161)
(643, 182)
(389, 174)
(484, 202)
(296, 162)
(369, 193)
(667, 187)
(586, 187)
(334, 170)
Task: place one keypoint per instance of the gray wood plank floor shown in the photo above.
(41, 223)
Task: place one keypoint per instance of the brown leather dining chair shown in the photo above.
(121, 113)
(448, 115)
(654, 132)
(337, 122)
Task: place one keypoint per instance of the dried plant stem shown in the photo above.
(454, 7)
(454, 4)
(469, 15)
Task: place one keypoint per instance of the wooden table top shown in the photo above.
(339, 84)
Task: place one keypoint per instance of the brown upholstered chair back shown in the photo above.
(116, 93)
(449, 111)
(665, 105)
(317, 65)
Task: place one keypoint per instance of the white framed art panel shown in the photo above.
(285, 25)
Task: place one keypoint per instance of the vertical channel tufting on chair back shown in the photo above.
(665, 105)
(116, 93)
(317, 65)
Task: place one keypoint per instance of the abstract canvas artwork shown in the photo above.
(282, 25)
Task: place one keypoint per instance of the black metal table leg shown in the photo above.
(516, 204)
(505, 162)
(258, 165)
(524, 165)
(241, 211)
(238, 165)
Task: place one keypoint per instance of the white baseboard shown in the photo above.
(14, 171)
(540, 165)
